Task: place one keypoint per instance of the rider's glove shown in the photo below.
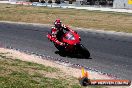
(62, 44)
(64, 26)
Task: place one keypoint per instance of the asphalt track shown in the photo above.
(111, 53)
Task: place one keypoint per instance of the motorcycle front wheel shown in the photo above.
(84, 51)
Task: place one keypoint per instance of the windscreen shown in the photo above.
(70, 36)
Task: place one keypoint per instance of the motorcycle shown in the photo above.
(72, 44)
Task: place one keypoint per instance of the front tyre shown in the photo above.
(84, 51)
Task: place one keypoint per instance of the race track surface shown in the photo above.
(109, 54)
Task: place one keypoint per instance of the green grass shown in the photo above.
(15, 73)
(78, 18)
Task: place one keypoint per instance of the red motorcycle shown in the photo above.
(72, 44)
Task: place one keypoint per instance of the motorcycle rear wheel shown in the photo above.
(60, 48)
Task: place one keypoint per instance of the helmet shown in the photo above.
(57, 23)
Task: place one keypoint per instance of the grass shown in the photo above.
(15, 73)
(78, 18)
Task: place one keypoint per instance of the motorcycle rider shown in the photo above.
(57, 32)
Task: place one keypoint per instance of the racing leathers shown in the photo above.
(56, 34)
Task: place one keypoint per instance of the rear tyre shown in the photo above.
(60, 48)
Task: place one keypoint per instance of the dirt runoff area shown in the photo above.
(65, 69)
